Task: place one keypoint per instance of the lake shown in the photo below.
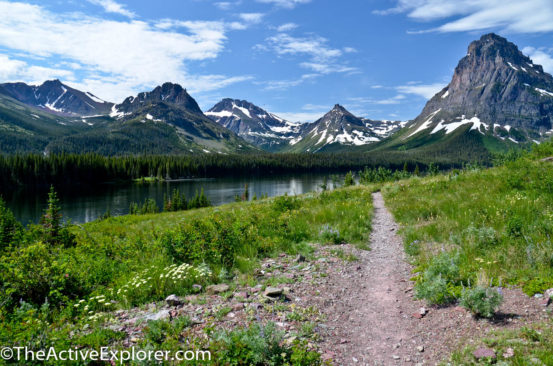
(87, 204)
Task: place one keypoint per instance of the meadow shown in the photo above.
(62, 282)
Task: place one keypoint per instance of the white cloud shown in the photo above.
(287, 27)
(286, 84)
(118, 58)
(253, 18)
(509, 15)
(111, 6)
(16, 70)
(289, 4)
(349, 50)
(540, 56)
(227, 5)
(302, 116)
(322, 59)
(424, 90)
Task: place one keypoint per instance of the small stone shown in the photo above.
(217, 289)
(355, 359)
(417, 315)
(396, 357)
(484, 352)
(420, 348)
(242, 295)
(538, 296)
(238, 307)
(273, 292)
(548, 293)
(135, 340)
(397, 345)
(197, 288)
(509, 352)
(300, 258)
(173, 300)
(423, 311)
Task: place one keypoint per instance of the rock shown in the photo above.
(423, 311)
(242, 295)
(420, 348)
(300, 258)
(174, 300)
(548, 293)
(396, 357)
(484, 352)
(286, 290)
(161, 315)
(273, 292)
(549, 158)
(134, 340)
(238, 307)
(217, 289)
(509, 352)
(538, 296)
(197, 288)
(417, 315)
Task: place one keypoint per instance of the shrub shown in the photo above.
(260, 345)
(481, 301)
(439, 279)
(330, 235)
(286, 203)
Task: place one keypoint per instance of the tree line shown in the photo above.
(67, 169)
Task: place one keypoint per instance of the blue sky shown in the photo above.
(381, 59)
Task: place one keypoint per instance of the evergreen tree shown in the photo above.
(348, 180)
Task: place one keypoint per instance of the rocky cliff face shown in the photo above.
(497, 89)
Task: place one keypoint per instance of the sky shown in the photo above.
(381, 59)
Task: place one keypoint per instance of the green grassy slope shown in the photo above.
(482, 227)
(218, 243)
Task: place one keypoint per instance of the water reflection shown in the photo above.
(87, 204)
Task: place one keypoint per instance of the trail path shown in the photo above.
(372, 318)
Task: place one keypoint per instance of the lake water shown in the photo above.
(87, 204)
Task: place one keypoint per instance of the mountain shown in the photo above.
(57, 98)
(497, 95)
(170, 108)
(54, 118)
(254, 124)
(338, 130)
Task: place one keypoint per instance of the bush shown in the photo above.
(348, 180)
(481, 301)
(260, 345)
(330, 235)
(439, 280)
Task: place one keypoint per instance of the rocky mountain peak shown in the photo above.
(496, 87)
(168, 93)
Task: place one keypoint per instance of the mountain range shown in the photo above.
(497, 98)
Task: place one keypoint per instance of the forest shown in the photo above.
(68, 169)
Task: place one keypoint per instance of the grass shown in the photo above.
(498, 221)
(483, 228)
(128, 261)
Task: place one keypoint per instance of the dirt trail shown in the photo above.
(372, 318)
(374, 327)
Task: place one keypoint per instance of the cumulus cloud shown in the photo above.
(517, 16)
(117, 58)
